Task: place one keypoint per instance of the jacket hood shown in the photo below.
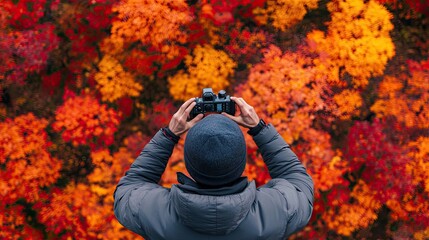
(215, 215)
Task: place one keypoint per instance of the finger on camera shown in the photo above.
(237, 101)
(189, 108)
(242, 104)
(186, 104)
(239, 105)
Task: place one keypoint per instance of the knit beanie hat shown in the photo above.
(215, 151)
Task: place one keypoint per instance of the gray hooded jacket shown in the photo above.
(273, 211)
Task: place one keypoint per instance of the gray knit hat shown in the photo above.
(215, 151)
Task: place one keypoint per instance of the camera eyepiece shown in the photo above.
(208, 94)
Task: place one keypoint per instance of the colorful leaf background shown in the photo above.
(85, 84)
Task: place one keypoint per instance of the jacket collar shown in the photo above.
(190, 186)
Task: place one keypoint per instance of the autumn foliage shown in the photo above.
(27, 168)
(94, 125)
(205, 67)
(84, 85)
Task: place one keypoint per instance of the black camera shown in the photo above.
(210, 102)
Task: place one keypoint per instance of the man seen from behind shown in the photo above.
(216, 201)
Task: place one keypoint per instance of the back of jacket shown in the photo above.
(273, 211)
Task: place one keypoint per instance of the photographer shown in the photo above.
(218, 202)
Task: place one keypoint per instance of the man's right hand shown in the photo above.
(178, 123)
(248, 117)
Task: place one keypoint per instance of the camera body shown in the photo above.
(210, 102)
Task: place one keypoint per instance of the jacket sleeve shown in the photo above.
(283, 164)
(141, 180)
